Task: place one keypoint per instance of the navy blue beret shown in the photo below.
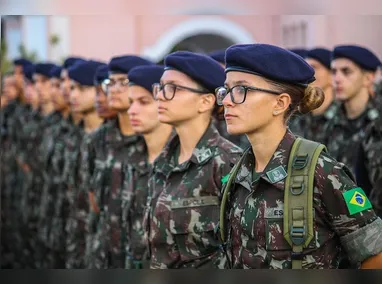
(359, 55)
(70, 61)
(44, 69)
(322, 55)
(22, 62)
(269, 61)
(146, 76)
(299, 51)
(199, 67)
(56, 72)
(101, 74)
(218, 55)
(123, 64)
(28, 72)
(84, 72)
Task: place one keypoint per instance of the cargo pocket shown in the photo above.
(192, 223)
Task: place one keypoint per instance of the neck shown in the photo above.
(65, 112)
(35, 107)
(264, 144)
(327, 102)
(92, 121)
(156, 140)
(355, 106)
(124, 124)
(47, 109)
(77, 117)
(189, 134)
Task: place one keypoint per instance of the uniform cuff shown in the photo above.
(364, 243)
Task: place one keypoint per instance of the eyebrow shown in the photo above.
(235, 83)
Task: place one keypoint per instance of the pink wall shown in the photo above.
(101, 37)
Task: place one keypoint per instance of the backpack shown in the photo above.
(298, 196)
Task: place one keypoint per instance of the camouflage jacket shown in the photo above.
(313, 127)
(346, 135)
(183, 203)
(369, 164)
(108, 156)
(58, 209)
(254, 215)
(76, 226)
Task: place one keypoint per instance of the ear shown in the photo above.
(368, 79)
(282, 103)
(207, 102)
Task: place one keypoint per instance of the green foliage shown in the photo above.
(6, 64)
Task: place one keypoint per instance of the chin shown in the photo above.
(235, 130)
(164, 119)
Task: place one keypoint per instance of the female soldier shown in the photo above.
(185, 185)
(265, 84)
(143, 113)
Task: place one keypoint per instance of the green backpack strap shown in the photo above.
(227, 189)
(298, 197)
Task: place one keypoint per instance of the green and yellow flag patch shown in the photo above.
(356, 201)
(225, 179)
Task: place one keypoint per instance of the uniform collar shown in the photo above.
(202, 153)
(371, 113)
(275, 172)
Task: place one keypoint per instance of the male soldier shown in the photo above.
(98, 139)
(65, 84)
(353, 70)
(49, 118)
(16, 114)
(20, 64)
(53, 185)
(120, 145)
(240, 140)
(312, 126)
(82, 96)
(9, 93)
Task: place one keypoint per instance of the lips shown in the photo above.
(229, 116)
(134, 122)
(161, 109)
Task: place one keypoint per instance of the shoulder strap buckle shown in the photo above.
(300, 161)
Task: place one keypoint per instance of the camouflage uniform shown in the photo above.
(8, 167)
(346, 135)
(369, 164)
(183, 204)
(109, 160)
(54, 194)
(30, 203)
(313, 127)
(254, 215)
(14, 182)
(78, 205)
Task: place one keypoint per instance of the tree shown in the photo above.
(6, 65)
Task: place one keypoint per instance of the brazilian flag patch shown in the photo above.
(225, 179)
(356, 200)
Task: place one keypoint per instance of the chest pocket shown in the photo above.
(192, 222)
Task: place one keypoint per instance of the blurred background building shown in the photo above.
(52, 38)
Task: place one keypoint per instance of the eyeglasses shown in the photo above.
(238, 93)
(169, 90)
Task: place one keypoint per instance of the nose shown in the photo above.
(227, 102)
(133, 109)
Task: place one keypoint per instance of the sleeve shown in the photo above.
(349, 212)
